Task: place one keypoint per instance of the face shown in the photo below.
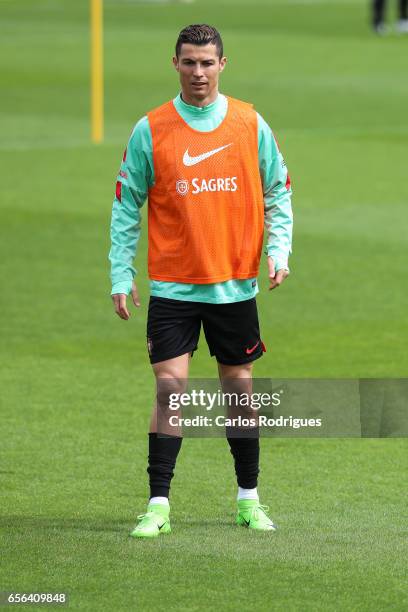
(199, 68)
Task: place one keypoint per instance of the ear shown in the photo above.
(176, 63)
(223, 61)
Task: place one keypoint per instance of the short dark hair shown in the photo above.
(200, 34)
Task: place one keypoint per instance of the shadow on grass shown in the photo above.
(80, 524)
(98, 525)
(209, 522)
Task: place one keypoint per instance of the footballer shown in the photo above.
(214, 178)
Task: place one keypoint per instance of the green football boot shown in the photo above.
(252, 515)
(153, 523)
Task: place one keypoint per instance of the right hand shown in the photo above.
(119, 302)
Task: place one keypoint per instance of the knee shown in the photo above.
(168, 386)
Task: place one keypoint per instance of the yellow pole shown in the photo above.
(96, 70)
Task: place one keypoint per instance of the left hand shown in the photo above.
(275, 278)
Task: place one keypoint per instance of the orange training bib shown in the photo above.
(205, 210)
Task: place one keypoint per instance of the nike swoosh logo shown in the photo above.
(246, 522)
(192, 161)
(251, 350)
(160, 526)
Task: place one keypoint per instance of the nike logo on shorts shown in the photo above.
(192, 161)
(249, 351)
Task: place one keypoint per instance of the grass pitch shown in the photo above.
(76, 383)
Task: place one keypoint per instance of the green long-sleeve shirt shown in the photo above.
(137, 175)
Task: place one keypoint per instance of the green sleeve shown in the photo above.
(277, 197)
(135, 177)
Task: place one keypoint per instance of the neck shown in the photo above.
(200, 102)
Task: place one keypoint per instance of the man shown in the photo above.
(213, 175)
(378, 14)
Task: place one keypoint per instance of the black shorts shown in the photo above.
(231, 330)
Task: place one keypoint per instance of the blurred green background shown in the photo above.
(76, 382)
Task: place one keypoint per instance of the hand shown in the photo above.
(275, 278)
(119, 302)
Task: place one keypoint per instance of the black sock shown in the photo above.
(246, 459)
(378, 12)
(163, 453)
